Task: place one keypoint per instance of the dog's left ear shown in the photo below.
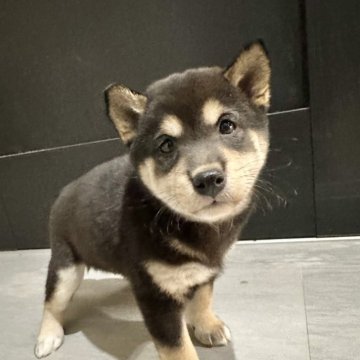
(251, 73)
(124, 108)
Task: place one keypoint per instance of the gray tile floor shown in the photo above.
(282, 301)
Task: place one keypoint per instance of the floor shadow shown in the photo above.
(105, 311)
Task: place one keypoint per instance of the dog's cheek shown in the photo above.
(260, 142)
(155, 180)
(173, 187)
(181, 192)
(239, 174)
(147, 174)
(244, 167)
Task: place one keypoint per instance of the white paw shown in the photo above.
(218, 334)
(48, 344)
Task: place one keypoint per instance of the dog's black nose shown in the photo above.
(209, 182)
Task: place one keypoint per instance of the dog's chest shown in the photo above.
(177, 280)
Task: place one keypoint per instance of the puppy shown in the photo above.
(165, 214)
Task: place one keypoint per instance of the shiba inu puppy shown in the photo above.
(165, 214)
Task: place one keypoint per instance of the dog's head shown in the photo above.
(199, 139)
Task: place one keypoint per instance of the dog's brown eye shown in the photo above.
(167, 146)
(226, 126)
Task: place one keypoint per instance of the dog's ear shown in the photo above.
(124, 108)
(251, 73)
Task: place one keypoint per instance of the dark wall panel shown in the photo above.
(7, 240)
(334, 53)
(285, 200)
(58, 56)
(30, 184)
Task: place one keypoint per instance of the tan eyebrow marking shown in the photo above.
(171, 125)
(212, 110)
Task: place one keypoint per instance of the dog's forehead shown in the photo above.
(186, 94)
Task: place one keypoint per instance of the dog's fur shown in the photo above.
(147, 215)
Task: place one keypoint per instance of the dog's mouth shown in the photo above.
(215, 204)
(218, 210)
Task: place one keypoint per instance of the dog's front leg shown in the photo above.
(208, 328)
(164, 318)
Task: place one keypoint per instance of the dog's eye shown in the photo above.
(226, 126)
(167, 145)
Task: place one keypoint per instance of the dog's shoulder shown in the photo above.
(100, 188)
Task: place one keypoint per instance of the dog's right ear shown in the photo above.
(251, 73)
(124, 108)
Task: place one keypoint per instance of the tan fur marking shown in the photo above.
(242, 172)
(146, 170)
(209, 329)
(68, 281)
(182, 248)
(251, 72)
(243, 168)
(212, 110)
(200, 305)
(51, 332)
(263, 98)
(261, 145)
(126, 132)
(174, 188)
(176, 280)
(172, 126)
(185, 351)
(121, 100)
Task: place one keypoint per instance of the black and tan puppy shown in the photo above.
(165, 215)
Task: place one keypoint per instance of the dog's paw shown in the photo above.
(212, 332)
(49, 343)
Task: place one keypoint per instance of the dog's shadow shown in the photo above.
(105, 311)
